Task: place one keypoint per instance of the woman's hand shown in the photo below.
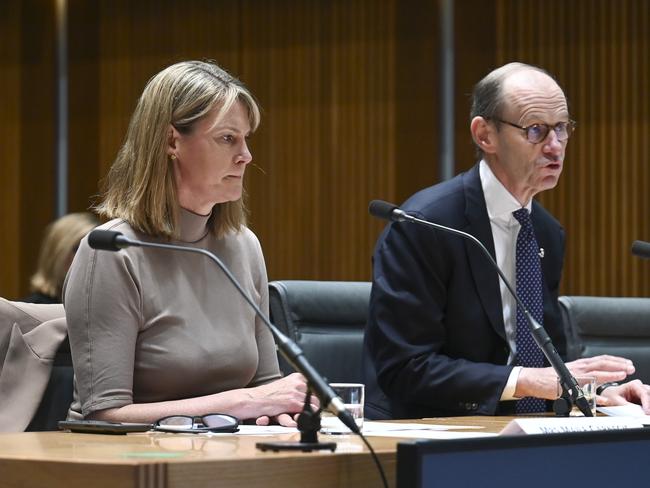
(280, 397)
(283, 419)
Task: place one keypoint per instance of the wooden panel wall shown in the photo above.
(10, 150)
(600, 53)
(475, 56)
(348, 90)
(350, 97)
(27, 84)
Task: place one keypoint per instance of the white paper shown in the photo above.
(428, 434)
(265, 430)
(419, 431)
(374, 427)
(629, 410)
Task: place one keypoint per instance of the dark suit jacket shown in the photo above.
(435, 338)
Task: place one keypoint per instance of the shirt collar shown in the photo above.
(193, 226)
(499, 201)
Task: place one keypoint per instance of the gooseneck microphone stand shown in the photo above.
(114, 241)
(571, 391)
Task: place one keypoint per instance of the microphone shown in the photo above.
(108, 240)
(641, 249)
(388, 211)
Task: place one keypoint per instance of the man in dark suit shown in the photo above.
(442, 332)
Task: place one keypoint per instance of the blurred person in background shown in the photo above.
(58, 248)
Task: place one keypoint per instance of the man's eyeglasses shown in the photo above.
(212, 422)
(537, 133)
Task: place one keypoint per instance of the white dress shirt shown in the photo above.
(500, 204)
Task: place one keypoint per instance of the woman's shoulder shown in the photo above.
(244, 241)
(86, 252)
(244, 236)
(249, 236)
(126, 229)
(119, 225)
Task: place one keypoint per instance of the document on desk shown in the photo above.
(629, 410)
(265, 430)
(421, 431)
(380, 429)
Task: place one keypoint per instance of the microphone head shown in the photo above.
(104, 240)
(383, 210)
(641, 249)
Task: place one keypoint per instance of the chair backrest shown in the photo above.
(36, 376)
(609, 325)
(327, 320)
(58, 394)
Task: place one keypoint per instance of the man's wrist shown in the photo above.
(508, 392)
(601, 388)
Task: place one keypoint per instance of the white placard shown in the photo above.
(562, 425)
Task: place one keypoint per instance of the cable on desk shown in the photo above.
(376, 459)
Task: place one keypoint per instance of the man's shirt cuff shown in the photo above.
(511, 385)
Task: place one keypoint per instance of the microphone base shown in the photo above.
(296, 446)
(562, 406)
(308, 425)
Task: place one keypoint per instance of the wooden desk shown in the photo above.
(66, 460)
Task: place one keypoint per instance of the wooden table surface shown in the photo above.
(63, 459)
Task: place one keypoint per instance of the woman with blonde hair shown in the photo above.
(58, 247)
(155, 333)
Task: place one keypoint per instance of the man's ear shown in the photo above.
(483, 134)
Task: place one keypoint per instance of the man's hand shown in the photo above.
(542, 382)
(631, 392)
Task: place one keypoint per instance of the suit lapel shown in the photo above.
(485, 277)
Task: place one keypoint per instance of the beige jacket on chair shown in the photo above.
(30, 335)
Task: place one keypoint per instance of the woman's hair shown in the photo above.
(140, 187)
(57, 249)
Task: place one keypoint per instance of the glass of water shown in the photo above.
(352, 395)
(588, 386)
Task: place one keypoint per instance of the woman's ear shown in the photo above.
(172, 140)
(483, 134)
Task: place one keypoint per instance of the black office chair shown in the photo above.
(58, 393)
(609, 325)
(327, 320)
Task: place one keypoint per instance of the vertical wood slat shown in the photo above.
(476, 47)
(599, 52)
(37, 141)
(84, 162)
(27, 161)
(10, 149)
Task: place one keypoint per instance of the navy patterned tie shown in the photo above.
(529, 289)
